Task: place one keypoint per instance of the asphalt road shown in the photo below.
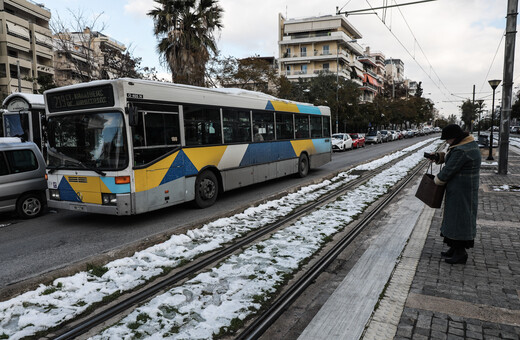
(61, 242)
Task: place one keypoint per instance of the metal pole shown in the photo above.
(490, 156)
(19, 78)
(507, 93)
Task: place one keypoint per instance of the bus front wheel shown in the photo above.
(206, 189)
(303, 165)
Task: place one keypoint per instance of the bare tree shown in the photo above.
(75, 58)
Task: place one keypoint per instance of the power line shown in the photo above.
(420, 48)
(413, 57)
(492, 61)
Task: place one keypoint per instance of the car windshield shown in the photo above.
(337, 136)
(94, 141)
(372, 133)
(354, 136)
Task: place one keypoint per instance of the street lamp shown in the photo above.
(493, 84)
(480, 102)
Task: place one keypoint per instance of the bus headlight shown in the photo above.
(109, 199)
(54, 194)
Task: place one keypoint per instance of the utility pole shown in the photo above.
(19, 76)
(473, 106)
(507, 90)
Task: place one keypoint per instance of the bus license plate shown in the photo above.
(78, 207)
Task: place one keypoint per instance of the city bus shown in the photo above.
(129, 146)
(24, 116)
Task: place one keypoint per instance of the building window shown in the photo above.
(326, 67)
(304, 69)
(326, 50)
(287, 52)
(288, 70)
(303, 51)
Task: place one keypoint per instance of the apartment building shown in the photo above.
(25, 45)
(373, 74)
(312, 45)
(85, 56)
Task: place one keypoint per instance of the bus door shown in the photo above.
(159, 165)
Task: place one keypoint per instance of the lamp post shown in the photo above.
(480, 102)
(493, 84)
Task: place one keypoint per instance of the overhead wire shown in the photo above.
(408, 51)
(493, 61)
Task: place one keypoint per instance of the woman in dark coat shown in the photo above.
(460, 174)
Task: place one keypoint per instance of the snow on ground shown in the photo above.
(198, 311)
(514, 141)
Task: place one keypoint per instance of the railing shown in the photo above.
(315, 53)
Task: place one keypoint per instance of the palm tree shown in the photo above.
(185, 29)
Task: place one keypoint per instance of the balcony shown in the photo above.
(315, 55)
(313, 37)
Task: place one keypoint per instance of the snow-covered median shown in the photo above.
(220, 299)
(68, 297)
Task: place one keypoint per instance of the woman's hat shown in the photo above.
(451, 131)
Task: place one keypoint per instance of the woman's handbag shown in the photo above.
(429, 192)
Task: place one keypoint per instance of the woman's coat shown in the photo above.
(460, 174)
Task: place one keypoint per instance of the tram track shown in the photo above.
(264, 320)
(85, 324)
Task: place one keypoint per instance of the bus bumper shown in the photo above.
(123, 206)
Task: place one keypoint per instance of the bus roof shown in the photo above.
(34, 100)
(226, 91)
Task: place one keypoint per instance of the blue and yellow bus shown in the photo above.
(129, 146)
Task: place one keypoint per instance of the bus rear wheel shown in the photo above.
(206, 189)
(303, 165)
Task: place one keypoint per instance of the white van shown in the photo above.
(22, 178)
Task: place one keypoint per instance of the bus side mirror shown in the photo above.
(133, 115)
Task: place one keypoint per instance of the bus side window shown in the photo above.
(302, 126)
(316, 131)
(237, 126)
(284, 126)
(263, 122)
(326, 127)
(201, 125)
(155, 135)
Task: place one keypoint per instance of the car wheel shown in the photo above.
(30, 205)
(206, 189)
(303, 165)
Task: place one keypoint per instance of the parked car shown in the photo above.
(395, 135)
(409, 134)
(341, 142)
(358, 140)
(386, 136)
(373, 137)
(515, 129)
(400, 134)
(22, 178)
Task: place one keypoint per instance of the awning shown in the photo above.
(371, 80)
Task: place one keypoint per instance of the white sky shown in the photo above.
(453, 42)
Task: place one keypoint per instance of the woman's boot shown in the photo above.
(459, 256)
(448, 253)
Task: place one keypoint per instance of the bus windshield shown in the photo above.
(87, 140)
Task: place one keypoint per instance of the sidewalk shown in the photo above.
(422, 297)
(480, 300)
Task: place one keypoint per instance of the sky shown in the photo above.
(448, 45)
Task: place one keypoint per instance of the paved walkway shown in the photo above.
(425, 298)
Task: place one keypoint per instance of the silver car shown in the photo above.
(22, 178)
(373, 137)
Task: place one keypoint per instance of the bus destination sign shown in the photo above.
(81, 98)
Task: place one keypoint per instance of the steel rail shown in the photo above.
(95, 320)
(269, 316)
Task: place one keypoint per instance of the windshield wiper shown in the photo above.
(73, 161)
(97, 171)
